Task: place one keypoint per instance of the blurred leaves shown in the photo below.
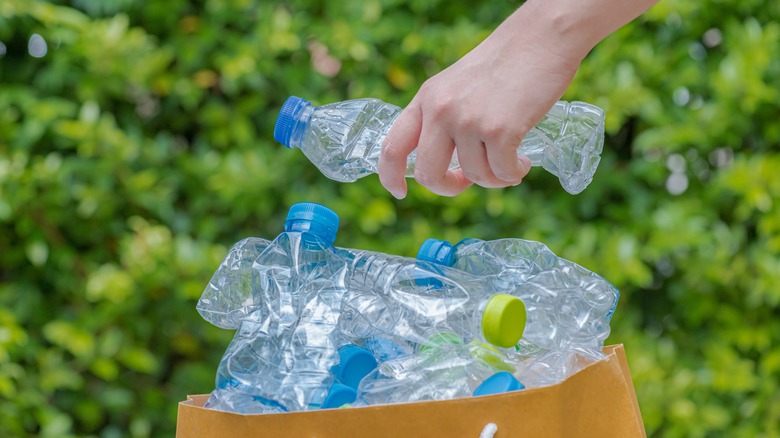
(138, 148)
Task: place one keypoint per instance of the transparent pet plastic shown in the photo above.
(425, 304)
(344, 139)
(568, 306)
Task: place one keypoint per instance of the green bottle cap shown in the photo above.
(503, 320)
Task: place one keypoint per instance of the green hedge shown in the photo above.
(139, 148)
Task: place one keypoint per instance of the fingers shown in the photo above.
(433, 159)
(487, 155)
(502, 157)
(399, 143)
(473, 158)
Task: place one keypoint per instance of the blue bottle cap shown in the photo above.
(338, 396)
(354, 364)
(286, 120)
(313, 218)
(437, 251)
(384, 349)
(498, 383)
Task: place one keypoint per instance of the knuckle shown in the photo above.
(495, 133)
(504, 136)
(426, 87)
(479, 178)
(426, 179)
(393, 150)
(390, 151)
(468, 122)
(472, 176)
(441, 106)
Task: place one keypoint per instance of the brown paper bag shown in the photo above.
(599, 401)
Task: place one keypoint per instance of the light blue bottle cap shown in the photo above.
(498, 383)
(354, 364)
(285, 122)
(338, 396)
(384, 349)
(437, 251)
(313, 218)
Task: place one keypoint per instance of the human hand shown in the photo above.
(483, 105)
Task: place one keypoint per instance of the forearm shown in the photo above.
(570, 27)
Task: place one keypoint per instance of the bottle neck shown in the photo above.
(311, 235)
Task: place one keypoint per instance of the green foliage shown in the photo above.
(139, 148)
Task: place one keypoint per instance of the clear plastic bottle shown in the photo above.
(228, 298)
(568, 305)
(385, 348)
(283, 351)
(343, 139)
(421, 302)
(538, 367)
(435, 374)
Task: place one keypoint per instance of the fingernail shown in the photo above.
(398, 194)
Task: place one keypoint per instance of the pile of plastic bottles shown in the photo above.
(318, 326)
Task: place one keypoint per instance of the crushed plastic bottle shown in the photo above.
(228, 298)
(538, 367)
(568, 305)
(423, 304)
(281, 356)
(436, 374)
(343, 139)
(385, 348)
